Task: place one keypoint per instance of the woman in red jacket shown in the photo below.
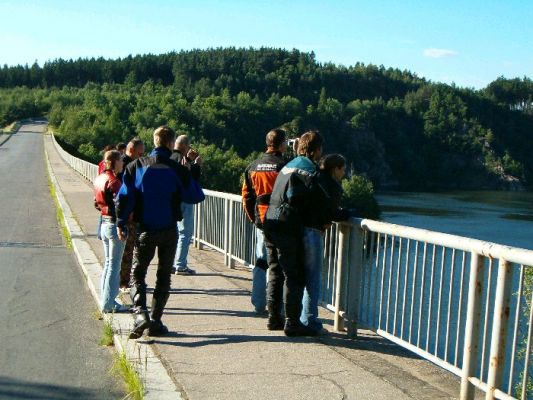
(106, 187)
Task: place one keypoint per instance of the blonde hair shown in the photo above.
(164, 136)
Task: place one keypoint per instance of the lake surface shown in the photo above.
(499, 217)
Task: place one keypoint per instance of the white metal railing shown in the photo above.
(458, 302)
(455, 301)
(88, 170)
(462, 303)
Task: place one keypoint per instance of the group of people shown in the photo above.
(146, 203)
(291, 205)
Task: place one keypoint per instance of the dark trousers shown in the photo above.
(143, 252)
(286, 271)
(127, 257)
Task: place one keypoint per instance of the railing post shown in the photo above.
(226, 232)
(344, 231)
(473, 318)
(354, 272)
(195, 229)
(201, 209)
(499, 328)
(231, 261)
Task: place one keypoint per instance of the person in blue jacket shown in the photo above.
(152, 189)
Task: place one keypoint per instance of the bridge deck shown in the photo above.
(218, 349)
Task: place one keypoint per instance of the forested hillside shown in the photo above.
(397, 129)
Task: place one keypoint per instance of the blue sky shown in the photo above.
(470, 43)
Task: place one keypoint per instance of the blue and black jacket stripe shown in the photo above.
(152, 189)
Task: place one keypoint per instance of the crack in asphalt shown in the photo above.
(26, 245)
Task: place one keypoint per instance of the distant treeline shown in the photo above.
(399, 130)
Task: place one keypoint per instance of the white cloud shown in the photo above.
(439, 53)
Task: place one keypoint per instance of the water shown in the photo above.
(499, 217)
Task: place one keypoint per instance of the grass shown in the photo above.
(107, 334)
(97, 315)
(59, 214)
(134, 384)
(10, 128)
(5, 133)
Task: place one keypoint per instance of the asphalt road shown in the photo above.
(48, 335)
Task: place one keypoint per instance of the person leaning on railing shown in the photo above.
(327, 195)
(291, 204)
(106, 187)
(259, 178)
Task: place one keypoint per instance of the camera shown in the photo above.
(291, 142)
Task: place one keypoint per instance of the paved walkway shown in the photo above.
(218, 349)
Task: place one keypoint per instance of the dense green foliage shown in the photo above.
(359, 196)
(394, 128)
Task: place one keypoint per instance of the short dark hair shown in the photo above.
(135, 142)
(108, 147)
(121, 146)
(275, 138)
(164, 135)
(331, 161)
(309, 143)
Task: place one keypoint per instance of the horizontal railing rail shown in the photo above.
(462, 303)
(86, 169)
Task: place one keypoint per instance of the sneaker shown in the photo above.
(118, 308)
(185, 271)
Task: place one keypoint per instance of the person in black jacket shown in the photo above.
(327, 195)
(134, 150)
(292, 204)
(152, 189)
(259, 178)
(190, 159)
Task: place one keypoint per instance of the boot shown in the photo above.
(275, 320)
(293, 326)
(159, 300)
(142, 319)
(157, 328)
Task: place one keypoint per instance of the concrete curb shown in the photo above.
(157, 381)
(2, 141)
(10, 134)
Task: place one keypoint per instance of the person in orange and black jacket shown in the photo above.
(106, 187)
(259, 178)
(292, 207)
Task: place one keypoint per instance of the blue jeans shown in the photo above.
(113, 250)
(185, 231)
(313, 259)
(259, 273)
(99, 227)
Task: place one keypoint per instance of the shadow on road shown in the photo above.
(11, 388)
